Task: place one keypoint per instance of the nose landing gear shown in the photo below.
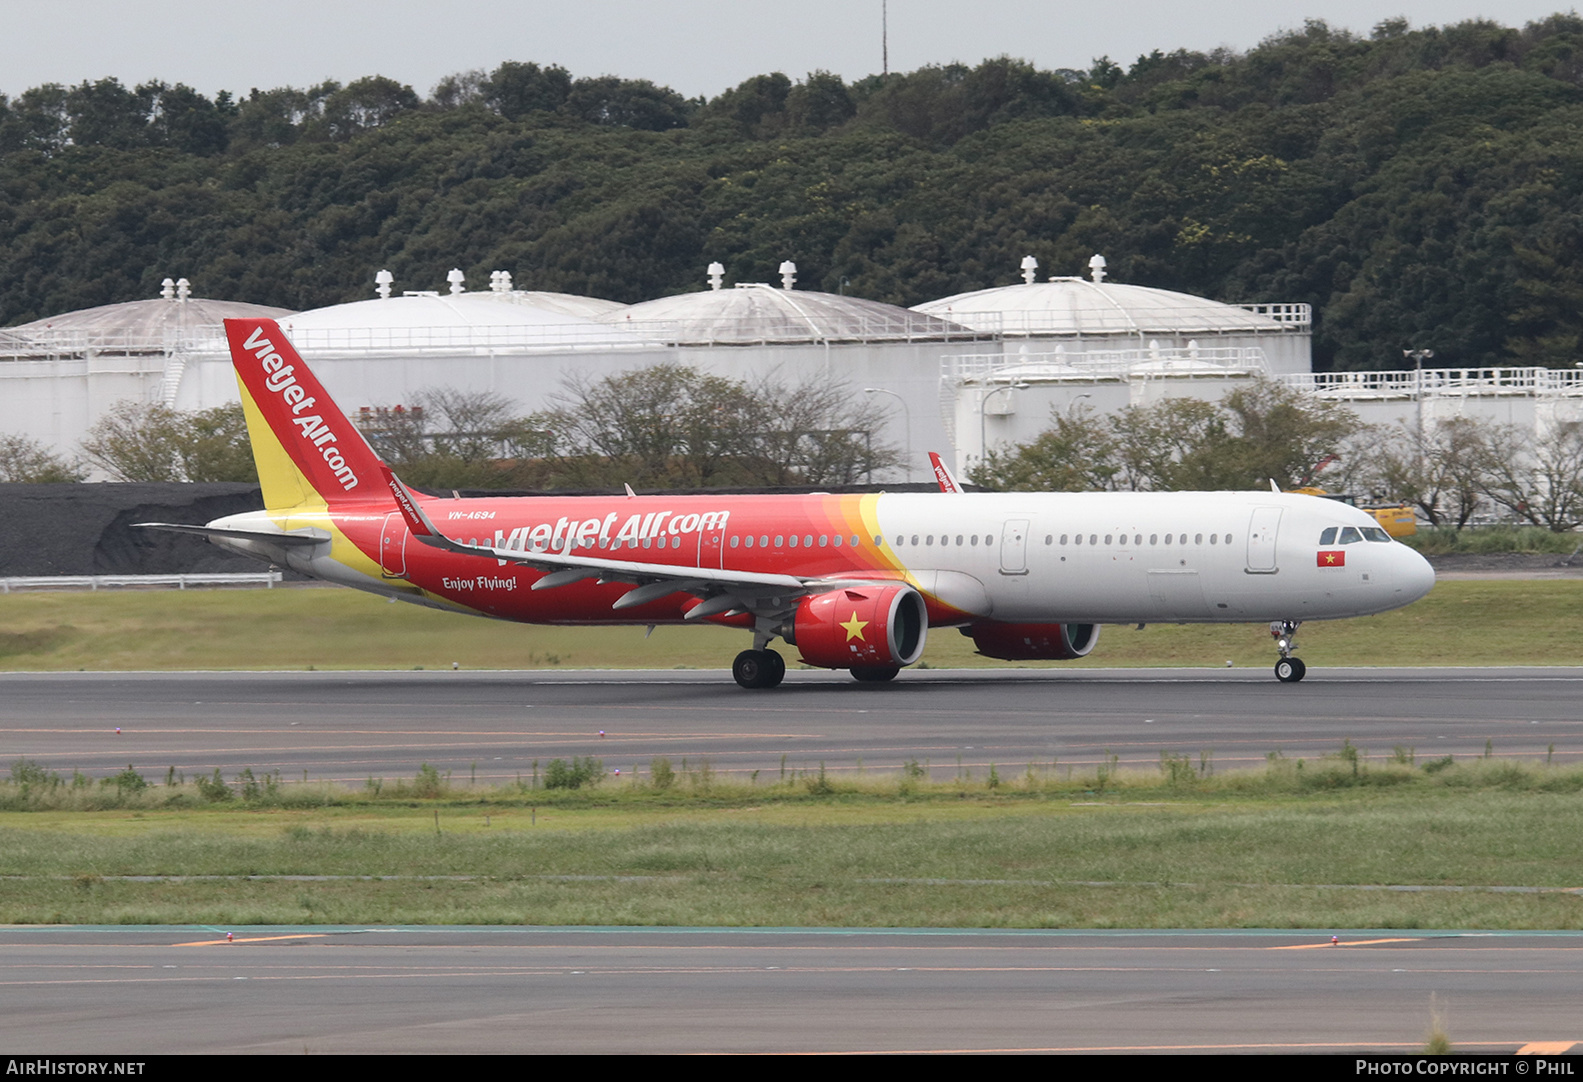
(1289, 669)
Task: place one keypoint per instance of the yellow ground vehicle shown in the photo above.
(1397, 519)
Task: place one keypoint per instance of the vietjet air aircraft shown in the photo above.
(850, 582)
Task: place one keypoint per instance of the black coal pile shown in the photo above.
(86, 529)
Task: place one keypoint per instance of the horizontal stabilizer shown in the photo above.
(310, 536)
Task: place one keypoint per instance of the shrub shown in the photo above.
(661, 774)
(213, 788)
(579, 772)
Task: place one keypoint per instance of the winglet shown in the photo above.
(942, 475)
(417, 521)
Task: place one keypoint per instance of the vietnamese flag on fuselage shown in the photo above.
(1332, 558)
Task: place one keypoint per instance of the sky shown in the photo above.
(698, 47)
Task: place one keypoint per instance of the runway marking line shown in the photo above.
(1546, 1048)
(1346, 943)
(253, 939)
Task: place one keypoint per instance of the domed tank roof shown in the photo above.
(568, 304)
(456, 320)
(161, 324)
(758, 313)
(1076, 307)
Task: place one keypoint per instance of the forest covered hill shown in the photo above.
(1420, 187)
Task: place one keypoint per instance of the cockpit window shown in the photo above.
(1374, 533)
(1350, 535)
(1329, 536)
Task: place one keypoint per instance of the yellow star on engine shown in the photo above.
(854, 628)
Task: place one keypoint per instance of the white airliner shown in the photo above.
(851, 581)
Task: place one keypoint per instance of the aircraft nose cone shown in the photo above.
(1414, 576)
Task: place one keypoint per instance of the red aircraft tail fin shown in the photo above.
(306, 449)
(942, 474)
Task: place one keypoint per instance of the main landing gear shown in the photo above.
(1288, 670)
(759, 669)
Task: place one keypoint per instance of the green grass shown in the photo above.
(1490, 622)
(1492, 540)
(1292, 845)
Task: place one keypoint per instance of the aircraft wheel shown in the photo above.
(1289, 670)
(875, 674)
(758, 669)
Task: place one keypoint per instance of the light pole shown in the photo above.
(907, 420)
(1072, 405)
(1419, 356)
(983, 414)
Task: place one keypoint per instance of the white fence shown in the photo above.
(19, 584)
(1117, 364)
(1441, 382)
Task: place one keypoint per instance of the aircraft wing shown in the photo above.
(722, 591)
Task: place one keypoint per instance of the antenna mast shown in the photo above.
(884, 36)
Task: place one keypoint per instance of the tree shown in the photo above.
(1078, 454)
(818, 432)
(105, 113)
(1255, 434)
(365, 104)
(627, 103)
(1442, 474)
(457, 439)
(1179, 444)
(514, 89)
(664, 426)
(1537, 478)
(669, 426)
(1283, 432)
(461, 88)
(213, 445)
(24, 460)
(819, 103)
(137, 442)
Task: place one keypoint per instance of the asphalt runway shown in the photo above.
(137, 991)
(76, 990)
(494, 726)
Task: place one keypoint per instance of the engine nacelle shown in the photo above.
(1033, 642)
(861, 627)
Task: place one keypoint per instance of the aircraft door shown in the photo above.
(1014, 547)
(711, 546)
(393, 547)
(1262, 530)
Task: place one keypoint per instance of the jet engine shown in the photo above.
(1033, 642)
(860, 627)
